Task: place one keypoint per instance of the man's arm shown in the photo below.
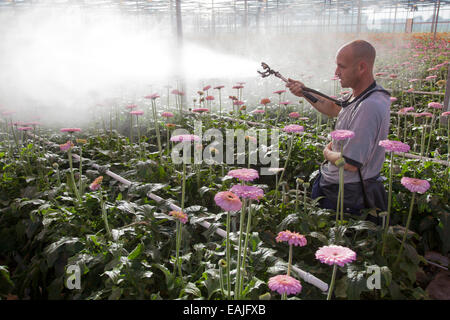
(322, 105)
(333, 156)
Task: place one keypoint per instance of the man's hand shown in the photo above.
(327, 149)
(333, 156)
(296, 87)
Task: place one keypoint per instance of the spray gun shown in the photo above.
(268, 71)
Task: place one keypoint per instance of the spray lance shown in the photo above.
(268, 71)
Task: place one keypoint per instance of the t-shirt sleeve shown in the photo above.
(366, 125)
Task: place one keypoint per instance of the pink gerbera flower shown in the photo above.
(405, 110)
(335, 255)
(279, 91)
(209, 98)
(25, 128)
(137, 112)
(435, 105)
(152, 96)
(415, 185)
(70, 130)
(219, 87)
(180, 215)
(342, 134)
(445, 114)
(238, 87)
(293, 128)
(96, 184)
(206, 88)
(131, 106)
(244, 174)
(167, 114)
(394, 146)
(248, 192)
(393, 99)
(284, 284)
(66, 146)
(228, 201)
(238, 102)
(293, 238)
(185, 137)
(258, 111)
(200, 110)
(294, 115)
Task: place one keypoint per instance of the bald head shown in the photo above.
(361, 50)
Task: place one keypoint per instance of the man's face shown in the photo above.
(346, 68)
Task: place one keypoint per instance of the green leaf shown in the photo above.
(191, 289)
(6, 285)
(319, 236)
(136, 252)
(341, 288)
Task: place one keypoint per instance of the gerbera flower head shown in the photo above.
(247, 192)
(96, 184)
(200, 110)
(152, 96)
(209, 98)
(228, 201)
(180, 215)
(167, 114)
(265, 101)
(185, 137)
(405, 110)
(137, 112)
(258, 111)
(294, 115)
(66, 146)
(244, 174)
(279, 91)
(393, 99)
(207, 88)
(219, 87)
(284, 284)
(415, 185)
(445, 114)
(333, 254)
(342, 134)
(435, 105)
(293, 128)
(70, 130)
(394, 146)
(25, 128)
(293, 238)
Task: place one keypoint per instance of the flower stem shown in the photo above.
(406, 229)
(247, 235)
(105, 216)
(228, 256)
(386, 227)
(238, 266)
(290, 260)
(333, 278)
(75, 189)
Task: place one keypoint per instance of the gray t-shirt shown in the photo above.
(370, 122)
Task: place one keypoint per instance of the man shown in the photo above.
(366, 112)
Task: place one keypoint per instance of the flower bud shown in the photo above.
(222, 263)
